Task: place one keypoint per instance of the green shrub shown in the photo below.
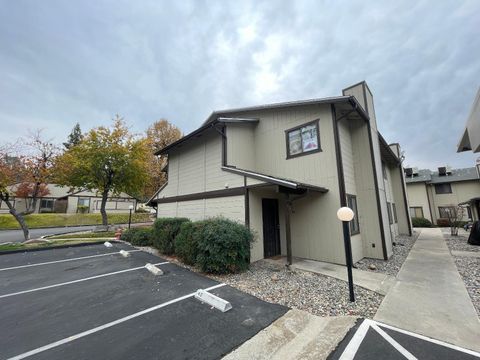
(82, 209)
(138, 236)
(164, 232)
(223, 246)
(186, 242)
(421, 222)
(443, 222)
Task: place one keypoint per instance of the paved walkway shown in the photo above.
(378, 282)
(296, 335)
(430, 297)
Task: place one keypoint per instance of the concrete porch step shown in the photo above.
(296, 335)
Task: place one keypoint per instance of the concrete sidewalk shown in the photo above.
(378, 282)
(430, 297)
(296, 335)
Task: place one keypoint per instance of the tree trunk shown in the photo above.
(103, 206)
(19, 217)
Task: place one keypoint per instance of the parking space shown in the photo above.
(374, 340)
(73, 305)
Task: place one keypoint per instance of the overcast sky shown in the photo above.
(63, 62)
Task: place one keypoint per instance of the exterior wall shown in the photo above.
(418, 197)
(366, 195)
(461, 191)
(241, 145)
(196, 168)
(232, 207)
(393, 227)
(398, 187)
(346, 146)
(365, 98)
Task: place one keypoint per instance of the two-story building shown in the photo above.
(431, 194)
(285, 169)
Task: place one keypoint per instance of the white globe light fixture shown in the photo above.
(345, 214)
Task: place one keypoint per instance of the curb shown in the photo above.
(6, 252)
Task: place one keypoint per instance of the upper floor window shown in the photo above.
(303, 139)
(354, 224)
(444, 188)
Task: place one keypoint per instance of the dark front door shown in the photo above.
(271, 228)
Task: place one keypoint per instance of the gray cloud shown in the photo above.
(63, 62)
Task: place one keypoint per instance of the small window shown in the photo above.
(46, 204)
(445, 188)
(416, 212)
(303, 140)
(394, 209)
(446, 211)
(84, 202)
(384, 169)
(354, 224)
(389, 209)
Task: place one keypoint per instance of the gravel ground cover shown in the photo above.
(469, 269)
(459, 242)
(401, 248)
(317, 294)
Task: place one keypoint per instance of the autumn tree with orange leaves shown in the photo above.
(25, 169)
(159, 135)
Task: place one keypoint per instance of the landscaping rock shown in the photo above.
(372, 267)
(392, 266)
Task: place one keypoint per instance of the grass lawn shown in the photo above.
(20, 246)
(7, 221)
(89, 235)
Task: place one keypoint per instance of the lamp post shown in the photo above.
(130, 215)
(345, 214)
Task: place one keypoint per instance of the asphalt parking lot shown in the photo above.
(90, 302)
(370, 339)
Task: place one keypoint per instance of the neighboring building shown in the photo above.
(61, 200)
(431, 193)
(284, 170)
(471, 135)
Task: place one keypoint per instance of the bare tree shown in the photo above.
(24, 172)
(454, 214)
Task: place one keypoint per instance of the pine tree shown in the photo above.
(74, 138)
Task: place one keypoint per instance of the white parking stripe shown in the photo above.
(77, 281)
(392, 342)
(435, 341)
(64, 260)
(355, 342)
(106, 326)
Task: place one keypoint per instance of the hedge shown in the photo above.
(138, 236)
(223, 246)
(186, 242)
(443, 222)
(421, 222)
(164, 232)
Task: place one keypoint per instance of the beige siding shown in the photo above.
(461, 191)
(231, 207)
(417, 197)
(366, 196)
(397, 185)
(196, 168)
(241, 145)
